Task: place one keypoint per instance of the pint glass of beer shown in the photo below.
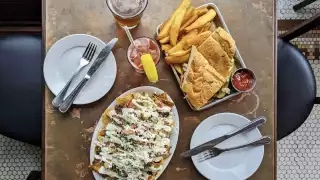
(127, 12)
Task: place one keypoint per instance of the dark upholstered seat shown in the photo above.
(296, 88)
(296, 85)
(21, 87)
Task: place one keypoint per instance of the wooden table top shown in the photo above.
(67, 137)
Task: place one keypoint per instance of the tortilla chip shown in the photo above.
(163, 98)
(124, 100)
(95, 166)
(105, 116)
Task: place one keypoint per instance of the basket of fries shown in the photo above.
(200, 35)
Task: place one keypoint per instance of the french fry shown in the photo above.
(174, 30)
(177, 59)
(163, 24)
(213, 26)
(201, 21)
(190, 34)
(178, 67)
(190, 12)
(201, 8)
(166, 28)
(166, 47)
(177, 47)
(164, 32)
(181, 35)
(201, 11)
(105, 116)
(180, 52)
(198, 39)
(164, 40)
(193, 18)
(206, 27)
(182, 42)
(184, 35)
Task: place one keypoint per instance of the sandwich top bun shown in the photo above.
(216, 56)
(201, 81)
(225, 40)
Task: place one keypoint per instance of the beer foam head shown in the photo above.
(127, 8)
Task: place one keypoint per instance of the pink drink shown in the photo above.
(143, 45)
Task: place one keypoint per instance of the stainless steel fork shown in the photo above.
(217, 151)
(84, 61)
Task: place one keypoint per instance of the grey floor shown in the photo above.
(17, 159)
(285, 11)
(298, 154)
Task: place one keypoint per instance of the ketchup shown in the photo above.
(243, 80)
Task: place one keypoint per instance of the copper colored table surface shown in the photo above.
(67, 137)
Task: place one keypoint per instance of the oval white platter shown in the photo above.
(174, 136)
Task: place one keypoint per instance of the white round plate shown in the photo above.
(173, 138)
(62, 60)
(233, 165)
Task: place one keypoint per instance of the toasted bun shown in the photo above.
(216, 56)
(201, 80)
(225, 40)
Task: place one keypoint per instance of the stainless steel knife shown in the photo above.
(208, 145)
(94, 67)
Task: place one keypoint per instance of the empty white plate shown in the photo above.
(64, 57)
(233, 165)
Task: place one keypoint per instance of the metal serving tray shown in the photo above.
(218, 20)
